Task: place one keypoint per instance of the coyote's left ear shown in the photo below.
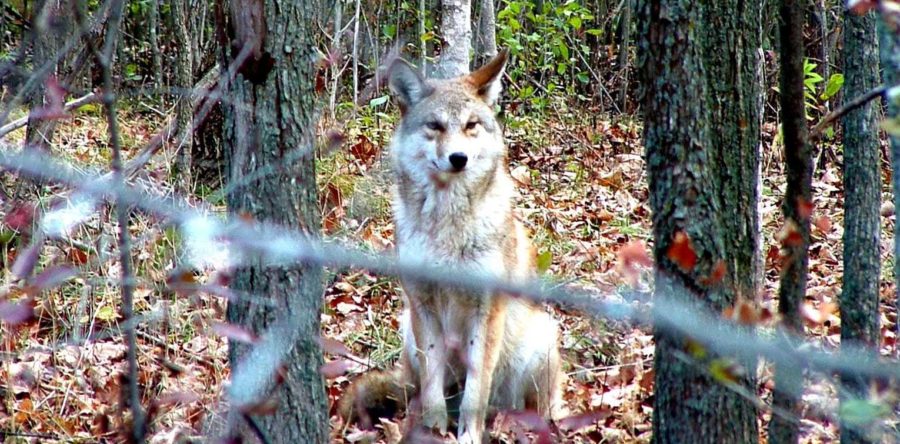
(486, 80)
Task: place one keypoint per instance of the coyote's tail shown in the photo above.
(378, 394)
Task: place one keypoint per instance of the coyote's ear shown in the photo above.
(407, 84)
(486, 80)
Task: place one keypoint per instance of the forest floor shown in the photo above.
(583, 194)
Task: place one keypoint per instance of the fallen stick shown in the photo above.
(71, 106)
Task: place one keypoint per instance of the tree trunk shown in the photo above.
(183, 83)
(889, 49)
(154, 43)
(731, 45)
(270, 115)
(39, 133)
(688, 405)
(456, 30)
(862, 201)
(798, 195)
(486, 46)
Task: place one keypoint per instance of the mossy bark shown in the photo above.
(270, 116)
(689, 406)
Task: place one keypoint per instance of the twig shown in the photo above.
(105, 60)
(71, 106)
(826, 121)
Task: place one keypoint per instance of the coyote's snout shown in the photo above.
(453, 208)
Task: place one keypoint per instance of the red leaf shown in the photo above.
(336, 368)
(76, 256)
(234, 332)
(20, 217)
(716, 275)
(790, 235)
(804, 208)
(682, 252)
(15, 313)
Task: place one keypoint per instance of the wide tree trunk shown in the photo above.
(797, 199)
(731, 38)
(689, 406)
(456, 30)
(269, 117)
(862, 200)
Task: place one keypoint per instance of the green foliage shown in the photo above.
(547, 48)
(811, 83)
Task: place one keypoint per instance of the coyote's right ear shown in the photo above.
(407, 84)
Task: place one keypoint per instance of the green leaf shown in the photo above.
(106, 314)
(575, 22)
(378, 101)
(544, 260)
(860, 412)
(835, 82)
(595, 32)
(583, 77)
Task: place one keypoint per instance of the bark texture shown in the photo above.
(862, 201)
(731, 39)
(486, 44)
(889, 50)
(153, 16)
(184, 82)
(795, 261)
(47, 29)
(688, 405)
(271, 114)
(456, 31)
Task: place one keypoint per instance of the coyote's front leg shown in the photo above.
(483, 352)
(432, 356)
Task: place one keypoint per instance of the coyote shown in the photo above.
(453, 207)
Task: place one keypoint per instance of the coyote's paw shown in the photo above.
(435, 418)
(469, 432)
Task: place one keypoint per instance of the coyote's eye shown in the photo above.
(471, 125)
(434, 126)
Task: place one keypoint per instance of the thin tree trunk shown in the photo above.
(39, 133)
(154, 43)
(862, 201)
(689, 406)
(271, 114)
(889, 50)
(798, 159)
(456, 30)
(486, 46)
(183, 84)
(625, 25)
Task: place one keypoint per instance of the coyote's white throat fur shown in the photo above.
(453, 207)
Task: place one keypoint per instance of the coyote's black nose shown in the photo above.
(458, 160)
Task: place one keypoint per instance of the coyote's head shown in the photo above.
(448, 131)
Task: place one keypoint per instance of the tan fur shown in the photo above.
(501, 351)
